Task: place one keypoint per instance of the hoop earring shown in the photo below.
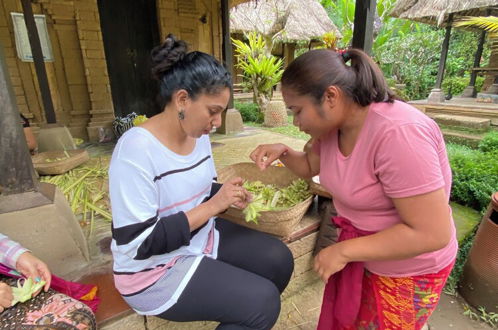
(181, 114)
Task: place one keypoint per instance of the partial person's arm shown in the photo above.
(14, 256)
(6, 296)
(10, 251)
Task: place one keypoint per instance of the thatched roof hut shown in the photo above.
(288, 20)
(437, 11)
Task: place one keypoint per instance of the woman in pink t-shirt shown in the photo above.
(385, 164)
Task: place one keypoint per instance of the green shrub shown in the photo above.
(457, 271)
(475, 176)
(458, 84)
(249, 112)
(489, 142)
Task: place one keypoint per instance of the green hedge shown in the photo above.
(475, 176)
(458, 84)
(489, 142)
(249, 112)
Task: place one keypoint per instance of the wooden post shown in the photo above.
(364, 15)
(19, 187)
(36, 50)
(444, 53)
(477, 57)
(231, 119)
(437, 94)
(470, 90)
(227, 43)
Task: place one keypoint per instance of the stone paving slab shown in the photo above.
(236, 149)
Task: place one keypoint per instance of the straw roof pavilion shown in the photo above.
(438, 11)
(288, 20)
(443, 13)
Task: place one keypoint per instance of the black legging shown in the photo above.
(241, 289)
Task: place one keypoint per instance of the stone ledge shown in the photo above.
(481, 124)
(461, 138)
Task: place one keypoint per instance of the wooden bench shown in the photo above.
(485, 69)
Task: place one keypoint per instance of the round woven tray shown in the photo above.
(76, 157)
(280, 223)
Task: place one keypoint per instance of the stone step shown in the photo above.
(480, 124)
(461, 138)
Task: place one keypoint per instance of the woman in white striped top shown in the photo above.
(173, 257)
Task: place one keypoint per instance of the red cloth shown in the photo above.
(86, 293)
(342, 295)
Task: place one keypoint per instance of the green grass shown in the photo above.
(289, 130)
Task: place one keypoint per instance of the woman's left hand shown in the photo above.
(329, 261)
(31, 266)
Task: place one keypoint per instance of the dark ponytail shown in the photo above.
(313, 72)
(176, 69)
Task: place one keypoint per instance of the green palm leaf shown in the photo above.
(488, 23)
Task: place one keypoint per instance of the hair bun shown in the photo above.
(167, 55)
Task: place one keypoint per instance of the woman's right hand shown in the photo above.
(265, 154)
(231, 193)
(6, 296)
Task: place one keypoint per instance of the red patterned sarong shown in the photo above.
(399, 302)
(378, 302)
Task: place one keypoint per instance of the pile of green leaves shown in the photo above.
(270, 198)
(24, 291)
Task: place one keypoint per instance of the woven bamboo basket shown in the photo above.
(280, 223)
(76, 157)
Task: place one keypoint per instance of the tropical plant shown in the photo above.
(261, 72)
(341, 12)
(329, 40)
(488, 23)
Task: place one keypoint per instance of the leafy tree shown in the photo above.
(412, 59)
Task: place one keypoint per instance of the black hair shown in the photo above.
(176, 69)
(314, 71)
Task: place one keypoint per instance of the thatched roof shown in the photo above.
(290, 20)
(437, 11)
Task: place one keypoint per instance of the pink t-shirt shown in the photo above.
(400, 152)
